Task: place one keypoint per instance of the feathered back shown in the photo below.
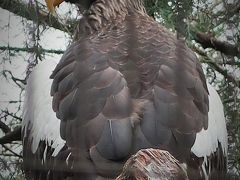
(124, 84)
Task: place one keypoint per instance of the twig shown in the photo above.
(13, 115)
(15, 154)
(208, 60)
(28, 11)
(209, 41)
(19, 49)
(14, 135)
(4, 127)
(16, 80)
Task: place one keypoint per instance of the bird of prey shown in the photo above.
(124, 84)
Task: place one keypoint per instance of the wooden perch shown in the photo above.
(153, 164)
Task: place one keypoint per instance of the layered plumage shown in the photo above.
(124, 84)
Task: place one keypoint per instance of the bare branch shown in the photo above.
(208, 60)
(19, 82)
(13, 115)
(209, 41)
(30, 12)
(31, 50)
(4, 127)
(11, 151)
(14, 135)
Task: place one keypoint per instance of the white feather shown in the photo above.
(38, 116)
(207, 140)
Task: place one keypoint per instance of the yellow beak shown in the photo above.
(51, 4)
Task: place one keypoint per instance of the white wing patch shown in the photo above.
(207, 140)
(38, 116)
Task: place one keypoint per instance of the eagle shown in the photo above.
(124, 84)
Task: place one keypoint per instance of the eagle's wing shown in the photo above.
(40, 127)
(173, 82)
(93, 102)
(207, 140)
(39, 121)
(211, 144)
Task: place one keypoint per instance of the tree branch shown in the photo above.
(208, 60)
(208, 41)
(17, 81)
(14, 135)
(4, 127)
(13, 153)
(30, 12)
(30, 50)
(13, 115)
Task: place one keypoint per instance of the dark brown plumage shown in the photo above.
(124, 84)
(119, 64)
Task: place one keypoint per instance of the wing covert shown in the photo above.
(93, 102)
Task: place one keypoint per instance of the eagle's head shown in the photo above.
(97, 14)
(114, 5)
(51, 4)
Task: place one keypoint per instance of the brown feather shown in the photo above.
(124, 84)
